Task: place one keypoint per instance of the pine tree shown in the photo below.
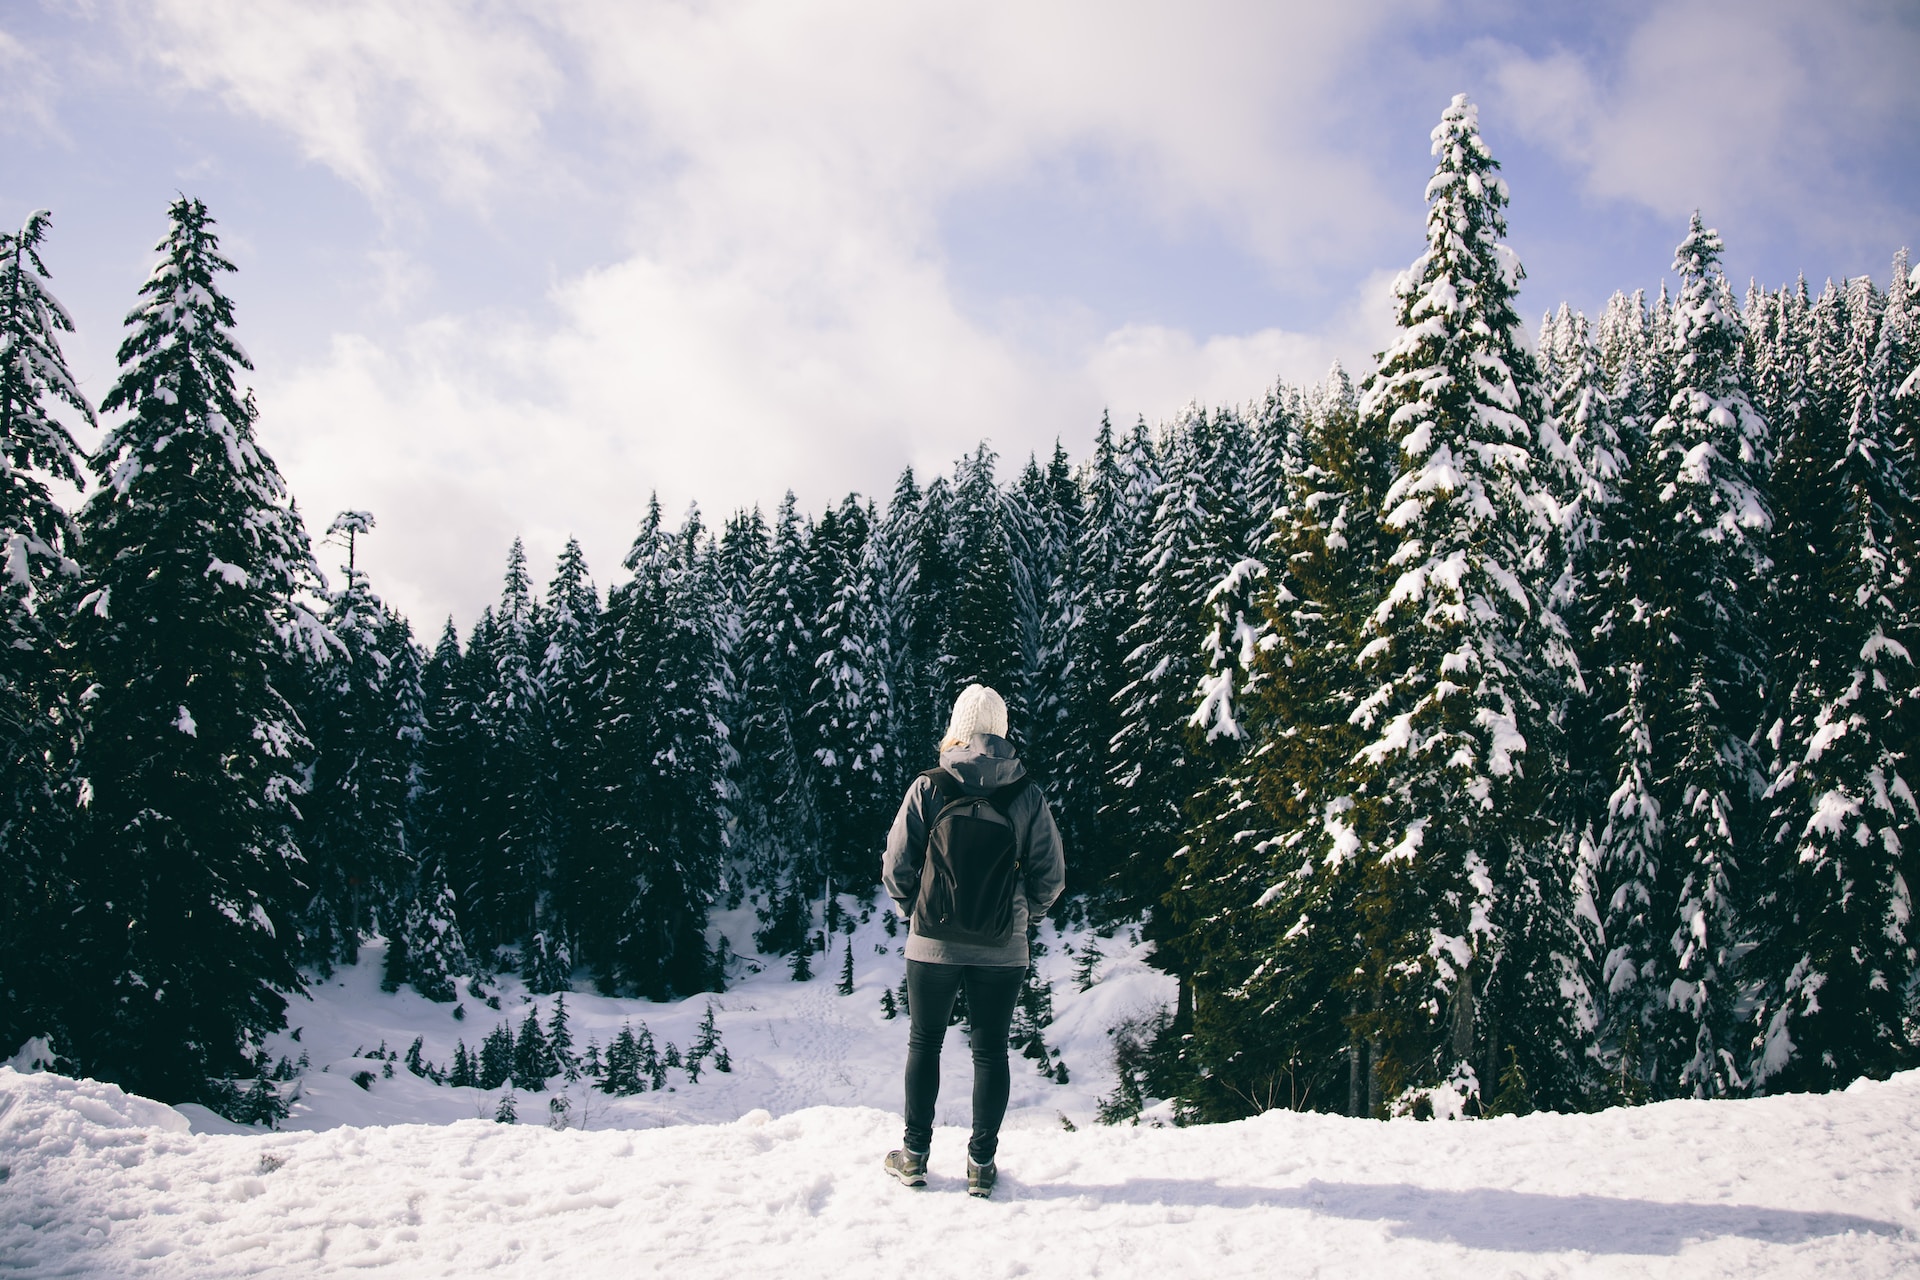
(1107, 556)
(850, 709)
(533, 1061)
(38, 536)
(706, 1044)
(622, 1075)
(780, 830)
(560, 1041)
(464, 1074)
(447, 816)
(429, 933)
(1459, 870)
(985, 647)
(1201, 532)
(1835, 958)
(662, 766)
(845, 986)
(198, 565)
(495, 1066)
(1703, 665)
(566, 627)
(1272, 877)
(511, 860)
(366, 724)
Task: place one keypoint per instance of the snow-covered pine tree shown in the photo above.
(1459, 737)
(36, 545)
(851, 710)
(981, 644)
(1044, 515)
(533, 1062)
(662, 767)
(192, 758)
(1835, 955)
(366, 726)
(513, 857)
(567, 622)
(774, 663)
(895, 551)
(1107, 556)
(741, 552)
(1272, 876)
(931, 611)
(436, 950)
(1201, 531)
(448, 817)
(1690, 627)
(495, 1059)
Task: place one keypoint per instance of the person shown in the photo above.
(977, 761)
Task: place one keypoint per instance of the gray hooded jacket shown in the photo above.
(983, 765)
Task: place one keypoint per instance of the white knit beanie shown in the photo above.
(978, 709)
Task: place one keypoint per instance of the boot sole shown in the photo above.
(910, 1180)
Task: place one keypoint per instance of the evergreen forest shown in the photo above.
(1522, 726)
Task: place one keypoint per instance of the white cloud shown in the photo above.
(368, 86)
(780, 312)
(26, 89)
(1730, 106)
(470, 433)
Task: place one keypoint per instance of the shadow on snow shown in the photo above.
(1485, 1218)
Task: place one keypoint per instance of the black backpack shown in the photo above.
(972, 865)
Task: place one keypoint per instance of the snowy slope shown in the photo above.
(98, 1183)
(774, 1168)
(793, 1045)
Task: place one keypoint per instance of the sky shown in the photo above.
(507, 267)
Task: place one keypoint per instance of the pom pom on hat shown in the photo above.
(978, 709)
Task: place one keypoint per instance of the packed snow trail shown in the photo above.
(97, 1183)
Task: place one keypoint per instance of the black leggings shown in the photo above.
(992, 994)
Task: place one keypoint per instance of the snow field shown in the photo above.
(774, 1169)
(102, 1184)
(793, 1044)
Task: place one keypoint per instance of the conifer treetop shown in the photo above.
(31, 365)
(1455, 386)
(32, 372)
(1712, 438)
(178, 386)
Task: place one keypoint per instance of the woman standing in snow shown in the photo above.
(972, 856)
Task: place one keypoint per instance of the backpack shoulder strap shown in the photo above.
(944, 784)
(1001, 797)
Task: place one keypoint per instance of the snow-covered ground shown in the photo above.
(792, 1044)
(773, 1169)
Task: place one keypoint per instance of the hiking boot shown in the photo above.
(908, 1166)
(981, 1177)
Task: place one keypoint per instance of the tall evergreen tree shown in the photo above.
(981, 644)
(1270, 884)
(662, 767)
(566, 627)
(1836, 957)
(36, 546)
(192, 757)
(366, 725)
(1460, 881)
(774, 664)
(1672, 983)
(851, 709)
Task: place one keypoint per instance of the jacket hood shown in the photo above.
(984, 764)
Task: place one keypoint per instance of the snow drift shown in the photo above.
(97, 1182)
